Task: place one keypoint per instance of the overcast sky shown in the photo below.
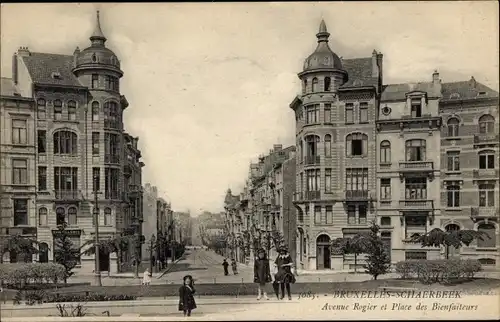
(209, 84)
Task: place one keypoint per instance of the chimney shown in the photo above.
(277, 147)
(23, 51)
(375, 70)
(435, 77)
(14, 69)
(380, 59)
(75, 56)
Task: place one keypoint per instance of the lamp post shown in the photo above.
(151, 247)
(97, 269)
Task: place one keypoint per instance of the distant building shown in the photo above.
(183, 227)
(150, 211)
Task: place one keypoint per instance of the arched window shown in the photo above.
(107, 217)
(304, 88)
(486, 124)
(95, 111)
(41, 105)
(312, 142)
(453, 125)
(72, 110)
(415, 150)
(327, 84)
(65, 142)
(72, 216)
(385, 152)
(42, 217)
(111, 115)
(57, 110)
(489, 230)
(328, 145)
(315, 85)
(357, 145)
(43, 253)
(60, 216)
(487, 159)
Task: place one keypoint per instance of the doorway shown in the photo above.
(103, 261)
(323, 260)
(43, 255)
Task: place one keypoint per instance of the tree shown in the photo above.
(352, 245)
(117, 244)
(377, 262)
(65, 253)
(20, 245)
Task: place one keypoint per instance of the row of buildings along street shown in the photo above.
(65, 153)
(411, 157)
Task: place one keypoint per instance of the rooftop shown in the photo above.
(42, 66)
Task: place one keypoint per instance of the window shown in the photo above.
(95, 81)
(486, 124)
(57, 110)
(415, 150)
(315, 85)
(416, 107)
(313, 180)
(351, 214)
(65, 142)
(60, 216)
(415, 225)
(328, 145)
(301, 184)
(328, 81)
(385, 221)
(109, 82)
(356, 179)
(111, 147)
(328, 113)
(312, 145)
(111, 179)
(488, 229)
(41, 109)
(416, 189)
(415, 255)
(453, 160)
(19, 132)
(328, 180)
(385, 152)
(42, 216)
(20, 212)
(486, 195)
(453, 194)
(42, 141)
(65, 179)
(19, 171)
(42, 178)
(362, 213)
(385, 189)
(453, 125)
(349, 113)
(95, 143)
(357, 144)
(95, 111)
(317, 214)
(329, 215)
(72, 110)
(312, 114)
(304, 89)
(107, 217)
(487, 160)
(96, 175)
(72, 216)
(363, 112)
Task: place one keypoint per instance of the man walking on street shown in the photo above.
(225, 264)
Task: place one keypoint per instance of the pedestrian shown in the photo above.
(262, 273)
(284, 276)
(234, 266)
(276, 284)
(225, 265)
(146, 279)
(186, 296)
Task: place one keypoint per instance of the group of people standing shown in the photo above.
(234, 267)
(282, 271)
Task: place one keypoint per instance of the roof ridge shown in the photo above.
(53, 54)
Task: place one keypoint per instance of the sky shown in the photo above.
(209, 84)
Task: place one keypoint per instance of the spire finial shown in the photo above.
(323, 33)
(98, 36)
(322, 26)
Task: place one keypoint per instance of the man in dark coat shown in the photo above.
(186, 296)
(225, 264)
(284, 276)
(261, 273)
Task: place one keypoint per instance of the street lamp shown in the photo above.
(153, 239)
(97, 269)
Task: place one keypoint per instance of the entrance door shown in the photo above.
(43, 255)
(323, 252)
(103, 261)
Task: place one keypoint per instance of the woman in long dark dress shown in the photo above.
(284, 276)
(186, 296)
(262, 273)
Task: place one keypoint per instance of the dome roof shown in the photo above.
(323, 56)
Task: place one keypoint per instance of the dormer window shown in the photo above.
(56, 75)
(315, 85)
(416, 107)
(481, 93)
(94, 58)
(455, 95)
(327, 84)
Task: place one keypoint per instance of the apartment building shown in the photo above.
(150, 213)
(17, 161)
(336, 153)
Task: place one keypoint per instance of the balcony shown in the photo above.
(312, 160)
(416, 205)
(312, 195)
(486, 174)
(480, 213)
(357, 195)
(416, 166)
(109, 158)
(68, 195)
(486, 138)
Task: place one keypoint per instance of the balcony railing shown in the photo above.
(312, 195)
(413, 166)
(357, 195)
(486, 138)
(485, 213)
(416, 204)
(486, 174)
(67, 194)
(109, 158)
(311, 159)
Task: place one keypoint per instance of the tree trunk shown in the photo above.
(355, 263)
